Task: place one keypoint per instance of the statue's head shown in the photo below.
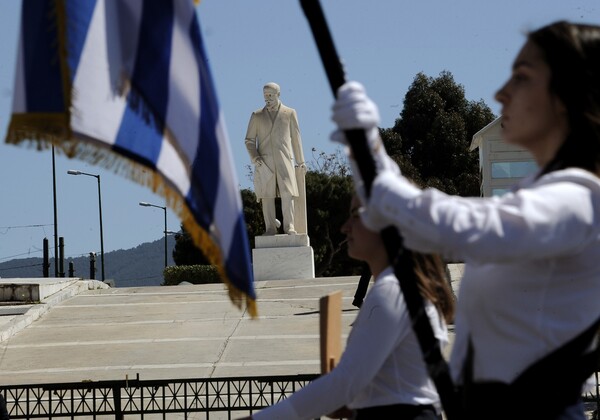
(271, 93)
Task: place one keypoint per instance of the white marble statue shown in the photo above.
(275, 148)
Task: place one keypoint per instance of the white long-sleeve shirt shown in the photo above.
(382, 363)
(532, 263)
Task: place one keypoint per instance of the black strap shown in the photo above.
(555, 381)
(437, 366)
(560, 375)
(363, 285)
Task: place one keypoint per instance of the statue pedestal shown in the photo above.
(283, 257)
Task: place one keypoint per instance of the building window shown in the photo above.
(499, 191)
(512, 169)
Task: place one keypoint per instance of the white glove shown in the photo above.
(354, 110)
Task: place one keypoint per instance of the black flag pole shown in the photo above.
(399, 257)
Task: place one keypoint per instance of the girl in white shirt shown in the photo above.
(529, 302)
(381, 373)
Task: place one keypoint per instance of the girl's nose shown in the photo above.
(501, 95)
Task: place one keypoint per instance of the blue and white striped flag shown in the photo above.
(125, 84)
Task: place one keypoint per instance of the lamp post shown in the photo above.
(74, 172)
(144, 204)
(55, 216)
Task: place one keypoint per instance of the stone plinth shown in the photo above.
(32, 289)
(281, 257)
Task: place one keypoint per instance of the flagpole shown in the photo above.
(55, 216)
(398, 256)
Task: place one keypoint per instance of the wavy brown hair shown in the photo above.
(434, 283)
(428, 270)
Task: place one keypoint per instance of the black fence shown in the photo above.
(216, 398)
(592, 399)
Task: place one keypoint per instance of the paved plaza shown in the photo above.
(191, 331)
(85, 331)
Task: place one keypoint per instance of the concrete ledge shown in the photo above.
(283, 263)
(32, 289)
(14, 310)
(13, 323)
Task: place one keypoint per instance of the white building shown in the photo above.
(501, 165)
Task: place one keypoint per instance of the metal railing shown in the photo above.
(593, 397)
(216, 398)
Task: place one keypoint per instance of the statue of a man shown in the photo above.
(274, 144)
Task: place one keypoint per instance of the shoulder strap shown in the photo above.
(570, 360)
(559, 376)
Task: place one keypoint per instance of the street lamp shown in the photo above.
(74, 172)
(144, 204)
(55, 216)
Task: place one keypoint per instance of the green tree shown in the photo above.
(253, 216)
(328, 201)
(432, 136)
(185, 252)
(329, 182)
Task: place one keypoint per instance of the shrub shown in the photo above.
(195, 274)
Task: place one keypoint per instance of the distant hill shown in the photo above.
(139, 266)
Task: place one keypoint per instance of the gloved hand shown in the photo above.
(258, 161)
(353, 109)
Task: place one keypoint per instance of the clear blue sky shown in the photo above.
(383, 43)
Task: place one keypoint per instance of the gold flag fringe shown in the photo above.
(44, 130)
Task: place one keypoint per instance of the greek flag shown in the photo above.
(125, 84)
